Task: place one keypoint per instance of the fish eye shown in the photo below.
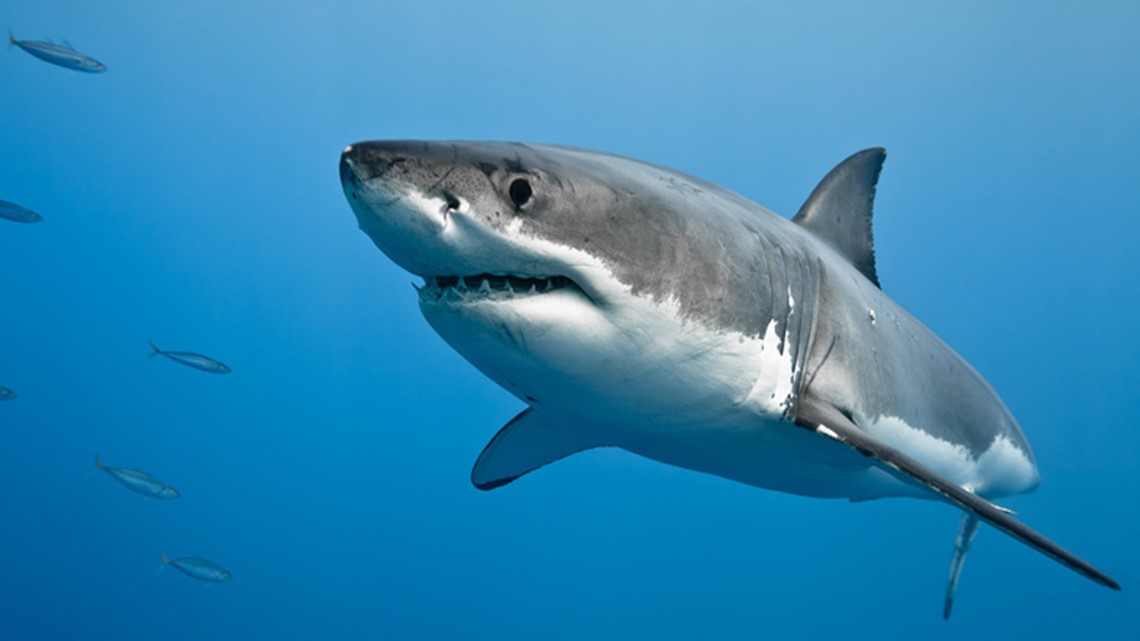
(520, 191)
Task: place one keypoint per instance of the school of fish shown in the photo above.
(138, 481)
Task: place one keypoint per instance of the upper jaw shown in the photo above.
(491, 287)
(461, 257)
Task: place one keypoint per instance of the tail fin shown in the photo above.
(165, 561)
(155, 351)
(99, 464)
(11, 38)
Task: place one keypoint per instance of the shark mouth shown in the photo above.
(460, 289)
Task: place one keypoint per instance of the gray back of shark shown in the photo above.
(854, 398)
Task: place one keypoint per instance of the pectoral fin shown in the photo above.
(528, 442)
(827, 420)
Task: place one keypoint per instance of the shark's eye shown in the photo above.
(520, 191)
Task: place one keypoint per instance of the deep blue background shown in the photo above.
(191, 197)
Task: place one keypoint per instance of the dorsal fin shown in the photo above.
(839, 209)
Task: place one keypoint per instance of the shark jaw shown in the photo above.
(552, 324)
(484, 287)
(463, 251)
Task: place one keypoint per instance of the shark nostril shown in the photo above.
(452, 201)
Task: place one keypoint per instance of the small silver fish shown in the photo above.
(140, 482)
(190, 359)
(59, 55)
(198, 568)
(18, 214)
(6, 394)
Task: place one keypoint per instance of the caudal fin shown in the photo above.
(11, 38)
(99, 464)
(155, 351)
(165, 561)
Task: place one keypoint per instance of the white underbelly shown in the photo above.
(662, 387)
(775, 455)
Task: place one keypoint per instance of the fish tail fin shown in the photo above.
(11, 38)
(99, 464)
(155, 351)
(165, 561)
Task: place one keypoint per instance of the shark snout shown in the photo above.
(388, 170)
(349, 181)
(389, 189)
(389, 159)
(362, 161)
(443, 209)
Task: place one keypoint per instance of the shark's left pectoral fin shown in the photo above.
(827, 420)
(528, 442)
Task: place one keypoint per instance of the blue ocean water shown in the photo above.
(190, 197)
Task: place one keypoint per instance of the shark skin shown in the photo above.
(633, 306)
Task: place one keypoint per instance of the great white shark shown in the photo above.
(633, 306)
